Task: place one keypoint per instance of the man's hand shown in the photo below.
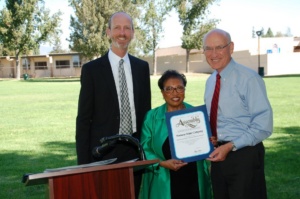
(220, 153)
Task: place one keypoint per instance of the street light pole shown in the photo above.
(258, 33)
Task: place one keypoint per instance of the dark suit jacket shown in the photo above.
(98, 106)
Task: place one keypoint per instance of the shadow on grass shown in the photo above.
(281, 165)
(282, 162)
(276, 76)
(75, 79)
(15, 164)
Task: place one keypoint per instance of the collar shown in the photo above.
(115, 58)
(227, 70)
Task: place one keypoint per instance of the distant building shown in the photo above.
(36, 66)
(278, 56)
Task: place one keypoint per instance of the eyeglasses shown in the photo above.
(217, 49)
(170, 89)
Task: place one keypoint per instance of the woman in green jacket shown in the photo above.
(171, 178)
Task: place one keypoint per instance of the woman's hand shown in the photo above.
(172, 164)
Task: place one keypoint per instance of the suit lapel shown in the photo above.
(135, 78)
(109, 78)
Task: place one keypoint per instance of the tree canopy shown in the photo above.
(88, 26)
(193, 18)
(269, 33)
(155, 12)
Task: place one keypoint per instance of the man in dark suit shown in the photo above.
(99, 104)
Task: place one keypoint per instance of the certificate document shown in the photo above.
(189, 133)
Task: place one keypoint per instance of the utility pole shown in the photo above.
(258, 33)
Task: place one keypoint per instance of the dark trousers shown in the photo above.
(241, 175)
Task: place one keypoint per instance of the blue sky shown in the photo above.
(237, 17)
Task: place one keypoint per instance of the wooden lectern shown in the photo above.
(113, 181)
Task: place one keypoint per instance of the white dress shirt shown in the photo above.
(114, 62)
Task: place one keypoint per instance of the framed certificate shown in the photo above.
(189, 133)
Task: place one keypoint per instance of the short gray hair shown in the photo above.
(111, 17)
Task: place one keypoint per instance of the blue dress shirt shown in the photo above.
(245, 115)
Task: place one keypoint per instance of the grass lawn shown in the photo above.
(37, 131)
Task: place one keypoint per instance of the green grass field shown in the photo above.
(37, 131)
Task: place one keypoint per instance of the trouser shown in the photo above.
(241, 175)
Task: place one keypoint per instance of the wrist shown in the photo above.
(158, 165)
(233, 147)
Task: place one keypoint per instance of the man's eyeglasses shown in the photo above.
(216, 49)
(170, 89)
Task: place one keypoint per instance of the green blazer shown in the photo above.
(156, 180)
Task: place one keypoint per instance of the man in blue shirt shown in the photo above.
(244, 120)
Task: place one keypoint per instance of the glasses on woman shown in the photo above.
(170, 89)
(217, 49)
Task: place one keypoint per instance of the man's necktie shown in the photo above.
(214, 107)
(126, 122)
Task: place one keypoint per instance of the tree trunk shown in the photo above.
(188, 60)
(18, 72)
(154, 63)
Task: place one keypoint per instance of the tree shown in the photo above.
(5, 51)
(24, 25)
(262, 32)
(192, 14)
(269, 33)
(57, 48)
(253, 32)
(288, 32)
(279, 34)
(155, 13)
(88, 27)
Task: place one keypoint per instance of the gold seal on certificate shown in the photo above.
(189, 133)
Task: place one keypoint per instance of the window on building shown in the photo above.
(76, 61)
(40, 65)
(25, 64)
(62, 64)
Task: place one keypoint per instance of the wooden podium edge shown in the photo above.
(42, 178)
